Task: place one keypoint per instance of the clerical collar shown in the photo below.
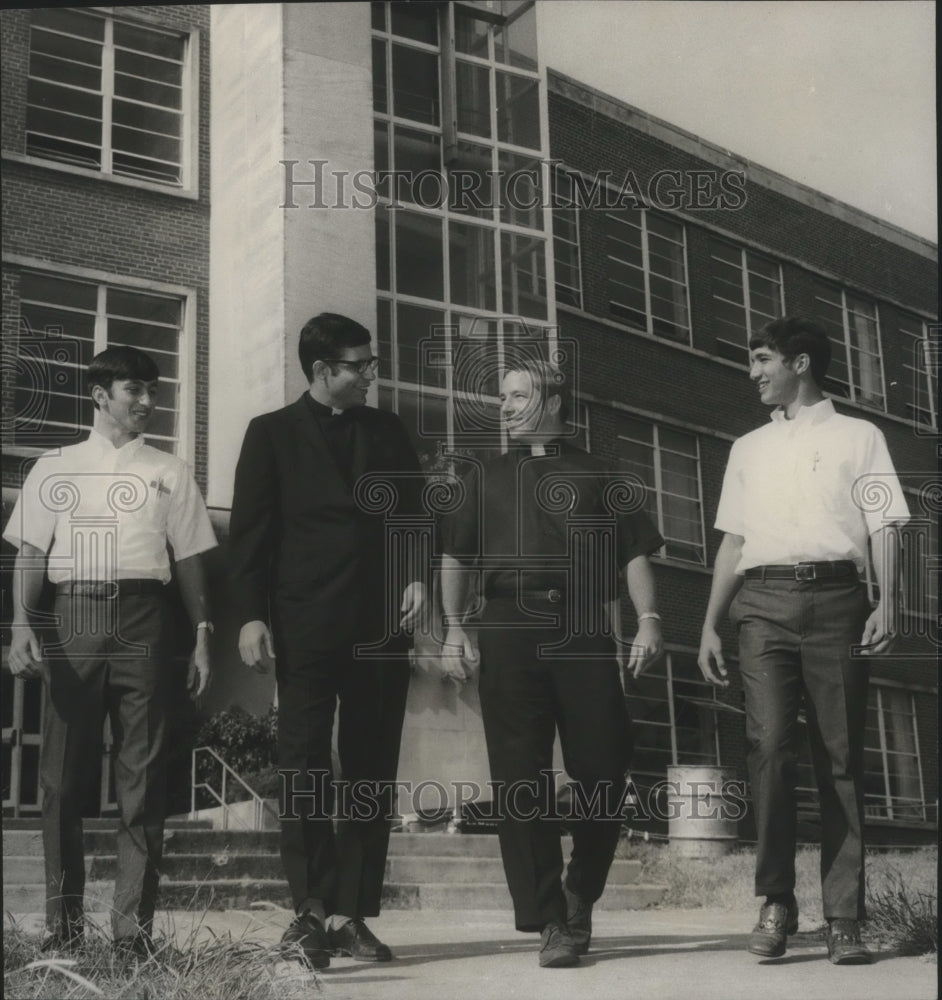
(321, 409)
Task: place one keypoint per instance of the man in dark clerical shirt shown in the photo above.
(313, 582)
(546, 529)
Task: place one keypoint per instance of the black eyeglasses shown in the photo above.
(360, 367)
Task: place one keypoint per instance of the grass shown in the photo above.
(901, 889)
(201, 966)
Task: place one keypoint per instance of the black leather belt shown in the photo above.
(552, 594)
(804, 572)
(107, 590)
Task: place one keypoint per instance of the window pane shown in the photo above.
(471, 266)
(523, 270)
(518, 110)
(418, 156)
(417, 21)
(383, 258)
(470, 35)
(473, 97)
(515, 43)
(380, 98)
(416, 327)
(415, 85)
(521, 190)
(419, 255)
(469, 181)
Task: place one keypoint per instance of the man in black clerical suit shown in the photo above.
(542, 530)
(311, 584)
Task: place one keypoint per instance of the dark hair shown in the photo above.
(546, 378)
(325, 336)
(120, 363)
(794, 335)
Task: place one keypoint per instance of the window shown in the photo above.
(579, 425)
(892, 767)
(668, 463)
(856, 370)
(673, 717)
(747, 294)
(566, 242)
(108, 95)
(64, 322)
(461, 277)
(647, 272)
(921, 360)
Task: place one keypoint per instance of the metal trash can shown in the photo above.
(702, 814)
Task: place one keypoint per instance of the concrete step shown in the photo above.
(223, 894)
(105, 823)
(23, 842)
(198, 867)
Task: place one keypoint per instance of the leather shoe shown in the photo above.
(578, 920)
(358, 941)
(557, 948)
(844, 944)
(306, 934)
(776, 922)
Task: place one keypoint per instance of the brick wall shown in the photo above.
(60, 218)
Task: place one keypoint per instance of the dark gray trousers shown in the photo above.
(795, 644)
(110, 658)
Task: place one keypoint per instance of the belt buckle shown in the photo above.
(806, 572)
(554, 596)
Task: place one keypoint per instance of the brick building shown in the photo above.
(520, 209)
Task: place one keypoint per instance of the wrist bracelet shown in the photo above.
(649, 615)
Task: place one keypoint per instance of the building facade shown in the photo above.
(419, 168)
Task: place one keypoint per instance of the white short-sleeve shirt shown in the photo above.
(106, 513)
(809, 489)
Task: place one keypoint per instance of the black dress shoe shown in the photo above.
(557, 948)
(776, 922)
(306, 940)
(578, 920)
(844, 944)
(358, 941)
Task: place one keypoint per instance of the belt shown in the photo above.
(107, 590)
(552, 594)
(804, 571)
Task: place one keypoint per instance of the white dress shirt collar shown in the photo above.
(813, 414)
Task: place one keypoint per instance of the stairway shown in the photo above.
(229, 869)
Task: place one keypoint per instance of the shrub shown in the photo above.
(902, 916)
(246, 742)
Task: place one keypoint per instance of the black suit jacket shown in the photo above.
(306, 556)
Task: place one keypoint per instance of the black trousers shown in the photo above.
(525, 698)
(344, 868)
(795, 643)
(110, 657)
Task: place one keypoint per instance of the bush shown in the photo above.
(902, 916)
(247, 743)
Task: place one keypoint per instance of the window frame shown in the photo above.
(851, 349)
(562, 202)
(186, 355)
(645, 270)
(188, 185)
(923, 372)
(658, 479)
(745, 273)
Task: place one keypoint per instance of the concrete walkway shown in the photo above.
(637, 955)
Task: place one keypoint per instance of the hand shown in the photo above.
(199, 673)
(879, 634)
(458, 656)
(25, 654)
(644, 649)
(413, 604)
(711, 653)
(256, 647)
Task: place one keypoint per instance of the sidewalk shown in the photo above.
(636, 955)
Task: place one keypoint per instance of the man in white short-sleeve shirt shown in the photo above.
(804, 498)
(102, 519)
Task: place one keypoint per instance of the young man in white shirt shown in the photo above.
(98, 517)
(797, 514)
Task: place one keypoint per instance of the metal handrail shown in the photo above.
(259, 805)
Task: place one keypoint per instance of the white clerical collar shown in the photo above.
(537, 449)
(812, 414)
